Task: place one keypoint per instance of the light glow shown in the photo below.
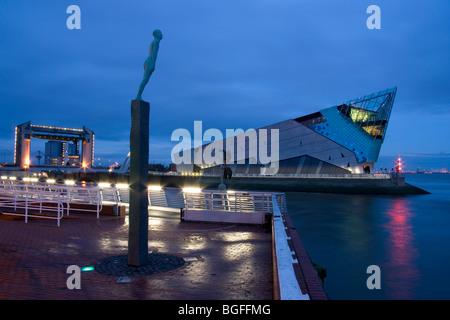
(192, 190)
(399, 165)
(89, 268)
(103, 185)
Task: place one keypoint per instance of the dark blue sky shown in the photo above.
(232, 64)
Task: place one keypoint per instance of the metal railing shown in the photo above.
(60, 198)
(168, 197)
(32, 202)
(282, 175)
(200, 199)
(35, 200)
(311, 176)
(287, 284)
(233, 201)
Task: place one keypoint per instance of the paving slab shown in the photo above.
(220, 261)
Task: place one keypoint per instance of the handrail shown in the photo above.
(32, 201)
(235, 201)
(282, 175)
(33, 197)
(288, 286)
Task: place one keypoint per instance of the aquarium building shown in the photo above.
(343, 139)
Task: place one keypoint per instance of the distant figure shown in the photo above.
(149, 64)
(227, 172)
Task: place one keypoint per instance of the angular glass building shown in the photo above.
(343, 139)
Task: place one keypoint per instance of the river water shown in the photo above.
(407, 237)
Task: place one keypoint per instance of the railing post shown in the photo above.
(59, 207)
(40, 201)
(15, 199)
(26, 208)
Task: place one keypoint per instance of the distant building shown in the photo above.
(342, 139)
(54, 153)
(73, 154)
(58, 153)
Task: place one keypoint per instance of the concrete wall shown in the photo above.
(224, 217)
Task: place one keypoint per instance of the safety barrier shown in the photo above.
(42, 200)
(31, 201)
(215, 200)
(286, 284)
(230, 206)
(169, 198)
(376, 176)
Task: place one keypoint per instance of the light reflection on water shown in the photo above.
(406, 236)
(401, 253)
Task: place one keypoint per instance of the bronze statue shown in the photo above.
(149, 64)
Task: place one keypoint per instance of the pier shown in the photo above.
(231, 260)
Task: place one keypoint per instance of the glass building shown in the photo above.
(342, 139)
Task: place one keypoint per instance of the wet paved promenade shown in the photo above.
(223, 262)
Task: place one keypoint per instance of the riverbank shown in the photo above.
(345, 184)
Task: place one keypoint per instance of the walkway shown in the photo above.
(223, 262)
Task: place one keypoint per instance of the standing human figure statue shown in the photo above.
(149, 64)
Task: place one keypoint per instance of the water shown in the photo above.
(408, 237)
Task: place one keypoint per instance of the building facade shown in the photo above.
(343, 139)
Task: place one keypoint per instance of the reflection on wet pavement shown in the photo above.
(232, 261)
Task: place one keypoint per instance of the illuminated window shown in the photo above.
(360, 115)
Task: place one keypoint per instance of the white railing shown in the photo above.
(311, 176)
(115, 194)
(66, 195)
(287, 175)
(31, 202)
(283, 260)
(200, 199)
(34, 199)
(230, 206)
(231, 201)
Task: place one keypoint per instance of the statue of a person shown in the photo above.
(149, 64)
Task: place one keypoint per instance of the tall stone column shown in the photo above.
(138, 210)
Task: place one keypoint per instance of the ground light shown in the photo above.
(88, 268)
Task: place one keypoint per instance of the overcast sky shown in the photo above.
(231, 64)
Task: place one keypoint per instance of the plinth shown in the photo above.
(138, 209)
